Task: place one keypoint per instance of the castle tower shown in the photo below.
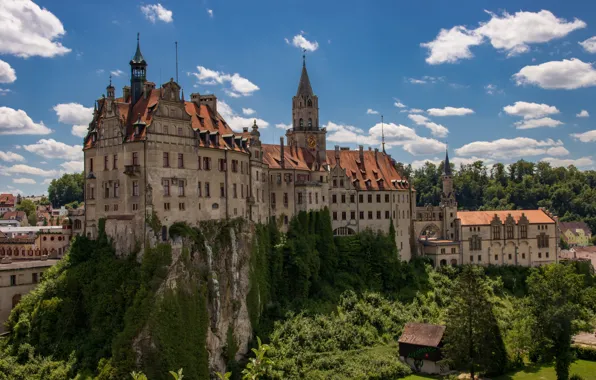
(447, 180)
(305, 131)
(448, 202)
(138, 74)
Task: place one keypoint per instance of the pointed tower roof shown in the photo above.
(446, 165)
(138, 58)
(304, 88)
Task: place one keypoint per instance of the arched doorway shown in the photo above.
(443, 262)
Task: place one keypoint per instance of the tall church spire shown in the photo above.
(446, 165)
(304, 88)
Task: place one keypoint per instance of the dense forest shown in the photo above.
(567, 192)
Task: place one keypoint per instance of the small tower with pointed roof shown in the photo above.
(305, 131)
(138, 74)
(448, 196)
(111, 91)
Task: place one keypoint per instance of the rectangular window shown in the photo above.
(115, 162)
(206, 163)
(352, 198)
(180, 188)
(234, 166)
(361, 214)
(378, 214)
(165, 129)
(222, 190)
(179, 131)
(116, 189)
(343, 215)
(343, 198)
(334, 183)
(116, 207)
(91, 164)
(341, 183)
(333, 198)
(309, 198)
(352, 215)
(181, 206)
(386, 214)
(106, 191)
(273, 200)
(369, 198)
(523, 231)
(135, 188)
(386, 198)
(166, 207)
(199, 189)
(13, 280)
(496, 232)
(299, 198)
(370, 215)
(166, 159)
(207, 190)
(361, 198)
(135, 206)
(180, 160)
(317, 198)
(34, 278)
(334, 215)
(234, 191)
(496, 257)
(135, 158)
(222, 165)
(105, 162)
(199, 163)
(286, 200)
(166, 187)
(509, 232)
(378, 198)
(471, 258)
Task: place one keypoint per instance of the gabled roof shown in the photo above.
(294, 158)
(422, 334)
(7, 199)
(574, 226)
(471, 218)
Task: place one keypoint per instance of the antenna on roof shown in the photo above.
(383, 133)
(176, 61)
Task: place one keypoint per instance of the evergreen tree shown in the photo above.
(472, 339)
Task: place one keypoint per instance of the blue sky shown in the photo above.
(495, 83)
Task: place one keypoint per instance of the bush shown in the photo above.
(585, 353)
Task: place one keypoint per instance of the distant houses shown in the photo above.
(576, 234)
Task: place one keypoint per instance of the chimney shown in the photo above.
(361, 150)
(337, 154)
(282, 161)
(195, 97)
(377, 155)
(126, 92)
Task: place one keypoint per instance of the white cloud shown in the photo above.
(11, 157)
(436, 130)
(235, 121)
(17, 122)
(425, 80)
(511, 33)
(283, 126)
(4, 91)
(449, 111)
(530, 110)
(557, 151)
(116, 73)
(27, 30)
(492, 89)
(416, 81)
(154, 12)
(452, 45)
(583, 113)
(399, 104)
(300, 41)
(537, 123)
(567, 74)
(589, 136)
(210, 12)
(79, 130)
(47, 181)
(458, 161)
(248, 111)
(500, 149)
(417, 164)
(370, 111)
(28, 181)
(7, 73)
(415, 110)
(50, 148)
(583, 162)
(239, 86)
(72, 166)
(26, 169)
(73, 113)
(589, 45)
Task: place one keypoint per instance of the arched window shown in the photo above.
(301, 123)
(77, 224)
(310, 123)
(9, 252)
(443, 262)
(309, 103)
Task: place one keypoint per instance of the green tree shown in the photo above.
(66, 189)
(30, 210)
(555, 294)
(259, 365)
(472, 339)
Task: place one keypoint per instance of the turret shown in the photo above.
(138, 74)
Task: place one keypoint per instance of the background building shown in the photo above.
(576, 234)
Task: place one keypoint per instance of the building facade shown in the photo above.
(152, 153)
(7, 203)
(35, 243)
(576, 234)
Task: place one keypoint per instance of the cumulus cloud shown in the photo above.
(436, 130)
(28, 181)
(557, 151)
(72, 166)
(235, 121)
(449, 111)
(583, 113)
(589, 45)
(415, 110)
(530, 110)
(50, 148)
(567, 74)
(26, 30)
(510, 33)
(7, 73)
(26, 169)
(589, 136)
(283, 126)
(239, 86)
(537, 123)
(583, 162)
(76, 114)
(301, 42)
(248, 111)
(370, 111)
(11, 157)
(500, 149)
(155, 12)
(17, 122)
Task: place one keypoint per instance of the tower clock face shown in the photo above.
(311, 141)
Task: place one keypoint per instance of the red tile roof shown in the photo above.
(422, 334)
(17, 215)
(300, 159)
(7, 200)
(377, 167)
(470, 218)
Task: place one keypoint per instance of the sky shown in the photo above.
(499, 84)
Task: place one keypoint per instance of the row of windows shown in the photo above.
(453, 250)
(509, 257)
(106, 161)
(35, 278)
(370, 215)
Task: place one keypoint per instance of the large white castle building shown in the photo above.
(151, 152)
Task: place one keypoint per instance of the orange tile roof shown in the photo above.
(470, 218)
(299, 159)
(377, 170)
(19, 215)
(7, 199)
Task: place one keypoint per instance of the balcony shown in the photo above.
(132, 169)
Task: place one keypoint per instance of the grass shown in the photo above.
(584, 368)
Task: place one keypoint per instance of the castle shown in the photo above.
(150, 153)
